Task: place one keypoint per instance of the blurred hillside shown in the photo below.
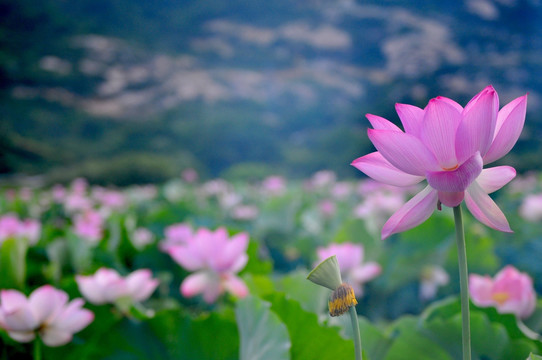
(134, 91)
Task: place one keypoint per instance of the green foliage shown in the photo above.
(257, 264)
(410, 344)
(249, 172)
(309, 339)
(123, 169)
(263, 335)
(375, 342)
(438, 331)
(406, 256)
(189, 337)
(311, 297)
(285, 315)
(13, 263)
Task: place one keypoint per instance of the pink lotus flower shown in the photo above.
(511, 292)
(244, 212)
(350, 258)
(176, 234)
(109, 199)
(89, 226)
(531, 207)
(74, 202)
(341, 190)
(142, 237)
(11, 226)
(447, 145)
(45, 312)
(274, 185)
(190, 175)
(58, 193)
(327, 208)
(431, 278)
(107, 286)
(215, 260)
(323, 178)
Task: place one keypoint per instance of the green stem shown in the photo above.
(463, 281)
(355, 328)
(37, 349)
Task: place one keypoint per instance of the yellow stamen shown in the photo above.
(341, 300)
(452, 168)
(500, 297)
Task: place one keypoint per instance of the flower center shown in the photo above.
(341, 300)
(500, 297)
(451, 168)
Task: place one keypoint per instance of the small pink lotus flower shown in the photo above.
(350, 258)
(327, 208)
(58, 193)
(109, 199)
(341, 190)
(176, 234)
(323, 178)
(142, 237)
(511, 292)
(107, 286)
(75, 202)
(215, 260)
(244, 212)
(45, 312)
(447, 145)
(79, 185)
(190, 175)
(89, 226)
(11, 226)
(431, 278)
(531, 207)
(274, 185)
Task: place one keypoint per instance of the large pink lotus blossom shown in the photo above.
(107, 286)
(350, 257)
(447, 145)
(511, 292)
(12, 227)
(45, 312)
(215, 259)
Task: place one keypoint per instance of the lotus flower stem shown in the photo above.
(463, 282)
(37, 349)
(355, 328)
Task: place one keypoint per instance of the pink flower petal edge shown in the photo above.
(413, 213)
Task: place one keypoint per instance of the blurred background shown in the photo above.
(135, 91)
